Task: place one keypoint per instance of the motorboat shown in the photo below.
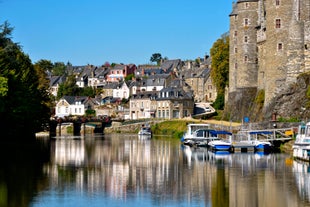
(220, 145)
(197, 134)
(145, 131)
(256, 138)
(301, 146)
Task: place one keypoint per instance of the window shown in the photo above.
(280, 46)
(245, 58)
(246, 39)
(246, 22)
(246, 5)
(277, 2)
(236, 65)
(236, 33)
(278, 23)
(236, 50)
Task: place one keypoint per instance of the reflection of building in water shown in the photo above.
(68, 152)
(121, 167)
(301, 172)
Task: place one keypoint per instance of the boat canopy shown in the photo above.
(214, 132)
(261, 132)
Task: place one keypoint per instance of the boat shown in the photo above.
(197, 134)
(221, 143)
(301, 146)
(145, 131)
(253, 140)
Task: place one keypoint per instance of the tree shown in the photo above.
(23, 103)
(156, 57)
(68, 88)
(220, 64)
(59, 69)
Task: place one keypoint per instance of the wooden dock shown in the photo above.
(243, 147)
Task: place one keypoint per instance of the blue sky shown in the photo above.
(120, 31)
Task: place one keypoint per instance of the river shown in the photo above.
(123, 170)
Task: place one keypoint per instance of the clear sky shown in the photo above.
(116, 31)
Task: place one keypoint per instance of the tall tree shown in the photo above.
(23, 110)
(220, 64)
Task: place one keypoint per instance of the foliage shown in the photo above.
(59, 69)
(68, 88)
(220, 64)
(129, 77)
(260, 98)
(219, 102)
(24, 104)
(90, 112)
(288, 120)
(3, 86)
(156, 57)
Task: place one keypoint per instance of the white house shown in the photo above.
(122, 91)
(70, 105)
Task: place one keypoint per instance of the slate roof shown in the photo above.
(169, 65)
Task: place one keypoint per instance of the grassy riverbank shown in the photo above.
(176, 128)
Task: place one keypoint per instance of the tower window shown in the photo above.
(236, 50)
(280, 46)
(246, 58)
(278, 23)
(246, 39)
(246, 22)
(236, 65)
(236, 33)
(277, 2)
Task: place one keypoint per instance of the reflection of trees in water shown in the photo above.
(21, 174)
(220, 189)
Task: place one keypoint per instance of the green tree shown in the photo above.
(220, 64)
(59, 69)
(156, 57)
(23, 105)
(68, 88)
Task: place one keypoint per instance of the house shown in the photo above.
(74, 105)
(122, 91)
(151, 83)
(55, 81)
(107, 90)
(174, 103)
(200, 81)
(119, 72)
(142, 105)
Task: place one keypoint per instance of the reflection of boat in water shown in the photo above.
(301, 147)
(145, 131)
(301, 173)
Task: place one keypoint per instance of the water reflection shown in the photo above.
(125, 170)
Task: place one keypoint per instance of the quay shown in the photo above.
(242, 147)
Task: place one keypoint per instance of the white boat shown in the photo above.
(220, 145)
(145, 131)
(198, 134)
(253, 139)
(301, 147)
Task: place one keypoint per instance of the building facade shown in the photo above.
(269, 44)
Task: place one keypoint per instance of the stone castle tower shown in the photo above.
(269, 46)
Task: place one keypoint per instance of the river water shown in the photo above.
(124, 170)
